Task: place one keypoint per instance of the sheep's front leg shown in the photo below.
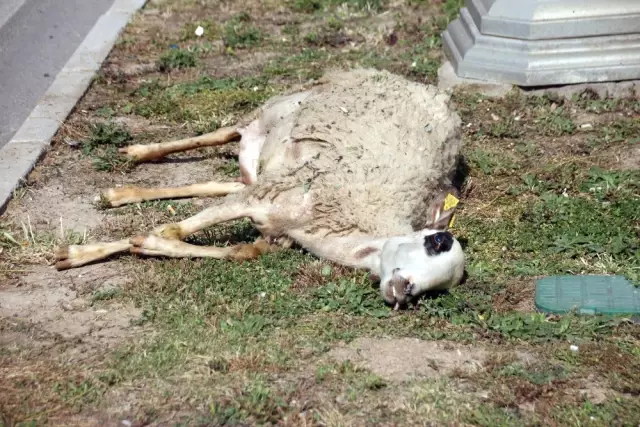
(78, 255)
(73, 256)
(206, 218)
(167, 239)
(157, 246)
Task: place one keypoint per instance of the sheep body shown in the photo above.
(368, 148)
(346, 169)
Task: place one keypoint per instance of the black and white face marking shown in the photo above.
(414, 264)
(438, 243)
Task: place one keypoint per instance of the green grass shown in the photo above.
(313, 6)
(103, 143)
(176, 59)
(556, 122)
(239, 33)
(105, 295)
(223, 309)
(206, 101)
(247, 343)
(491, 163)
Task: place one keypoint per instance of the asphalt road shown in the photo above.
(37, 37)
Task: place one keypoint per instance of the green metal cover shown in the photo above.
(587, 295)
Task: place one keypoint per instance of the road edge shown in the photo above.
(30, 143)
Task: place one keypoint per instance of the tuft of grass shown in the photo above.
(176, 59)
(239, 34)
(308, 6)
(507, 128)
(103, 143)
(624, 130)
(206, 101)
(108, 133)
(231, 168)
(313, 6)
(491, 163)
(556, 122)
(350, 296)
(425, 67)
(451, 9)
(22, 245)
(307, 64)
(105, 295)
(106, 112)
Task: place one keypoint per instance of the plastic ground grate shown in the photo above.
(587, 295)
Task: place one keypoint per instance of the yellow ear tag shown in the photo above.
(450, 202)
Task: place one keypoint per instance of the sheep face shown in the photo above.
(431, 260)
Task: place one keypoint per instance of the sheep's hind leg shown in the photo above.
(114, 197)
(250, 146)
(166, 240)
(145, 152)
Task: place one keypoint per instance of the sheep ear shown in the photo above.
(441, 210)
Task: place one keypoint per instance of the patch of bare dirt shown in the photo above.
(64, 193)
(53, 333)
(55, 206)
(221, 67)
(60, 304)
(402, 359)
(516, 296)
(595, 393)
(54, 322)
(631, 159)
(318, 273)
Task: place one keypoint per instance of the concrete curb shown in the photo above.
(20, 155)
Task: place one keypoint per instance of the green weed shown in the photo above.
(352, 296)
(313, 6)
(491, 163)
(536, 374)
(239, 34)
(102, 146)
(176, 59)
(556, 122)
(205, 101)
(231, 168)
(105, 295)
(102, 134)
(621, 130)
(507, 128)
